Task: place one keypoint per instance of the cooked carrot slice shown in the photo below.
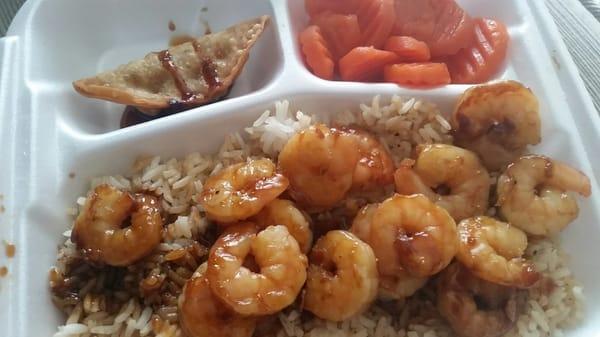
(484, 57)
(408, 49)
(376, 18)
(365, 63)
(316, 7)
(316, 52)
(341, 31)
(421, 74)
(442, 24)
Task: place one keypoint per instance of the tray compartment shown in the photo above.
(100, 35)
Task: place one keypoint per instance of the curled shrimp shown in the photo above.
(101, 230)
(375, 166)
(409, 233)
(241, 190)
(493, 250)
(342, 277)
(397, 285)
(285, 213)
(533, 194)
(280, 275)
(474, 307)
(202, 314)
(497, 121)
(320, 163)
(363, 222)
(466, 183)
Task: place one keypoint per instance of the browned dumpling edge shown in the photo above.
(90, 87)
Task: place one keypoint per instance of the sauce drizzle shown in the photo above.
(207, 29)
(209, 71)
(132, 116)
(167, 62)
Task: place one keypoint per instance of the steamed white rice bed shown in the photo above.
(399, 124)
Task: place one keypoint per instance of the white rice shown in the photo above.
(546, 313)
(400, 124)
(273, 130)
(133, 320)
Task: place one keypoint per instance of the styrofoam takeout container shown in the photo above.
(49, 132)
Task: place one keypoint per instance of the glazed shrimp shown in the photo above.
(363, 222)
(532, 194)
(493, 251)
(474, 307)
(497, 121)
(375, 167)
(320, 163)
(387, 256)
(201, 314)
(285, 213)
(342, 277)
(240, 191)
(102, 233)
(281, 264)
(448, 167)
(398, 285)
(411, 233)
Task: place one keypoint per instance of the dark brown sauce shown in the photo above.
(180, 39)
(10, 249)
(167, 62)
(132, 116)
(207, 29)
(209, 71)
(210, 75)
(172, 26)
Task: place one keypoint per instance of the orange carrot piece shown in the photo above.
(316, 53)
(316, 7)
(341, 32)
(442, 24)
(419, 74)
(480, 61)
(365, 63)
(377, 19)
(408, 49)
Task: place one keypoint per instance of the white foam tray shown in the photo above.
(48, 131)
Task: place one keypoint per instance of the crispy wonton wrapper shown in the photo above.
(192, 73)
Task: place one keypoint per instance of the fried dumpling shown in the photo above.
(192, 73)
